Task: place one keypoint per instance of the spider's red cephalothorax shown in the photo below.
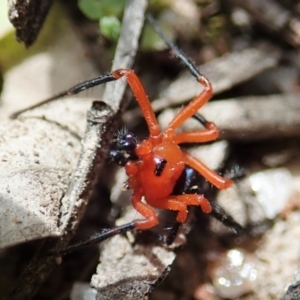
(160, 161)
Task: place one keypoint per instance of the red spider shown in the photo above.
(156, 165)
(163, 146)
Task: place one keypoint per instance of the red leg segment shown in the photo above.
(210, 175)
(145, 210)
(198, 136)
(181, 202)
(193, 106)
(141, 97)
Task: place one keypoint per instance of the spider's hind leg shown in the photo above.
(220, 214)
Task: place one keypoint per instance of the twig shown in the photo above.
(95, 145)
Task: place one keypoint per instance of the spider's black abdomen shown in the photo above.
(191, 182)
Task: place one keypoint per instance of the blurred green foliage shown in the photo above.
(110, 27)
(107, 12)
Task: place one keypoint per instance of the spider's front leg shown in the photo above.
(142, 99)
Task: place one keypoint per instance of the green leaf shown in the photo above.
(110, 27)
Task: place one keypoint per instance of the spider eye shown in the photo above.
(127, 142)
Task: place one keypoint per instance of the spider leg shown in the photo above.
(149, 221)
(193, 106)
(218, 213)
(145, 210)
(142, 99)
(180, 203)
(71, 91)
(225, 218)
(186, 61)
(210, 133)
(200, 118)
(98, 238)
(172, 234)
(198, 136)
(210, 175)
(134, 83)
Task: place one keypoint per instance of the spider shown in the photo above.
(158, 170)
(190, 181)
